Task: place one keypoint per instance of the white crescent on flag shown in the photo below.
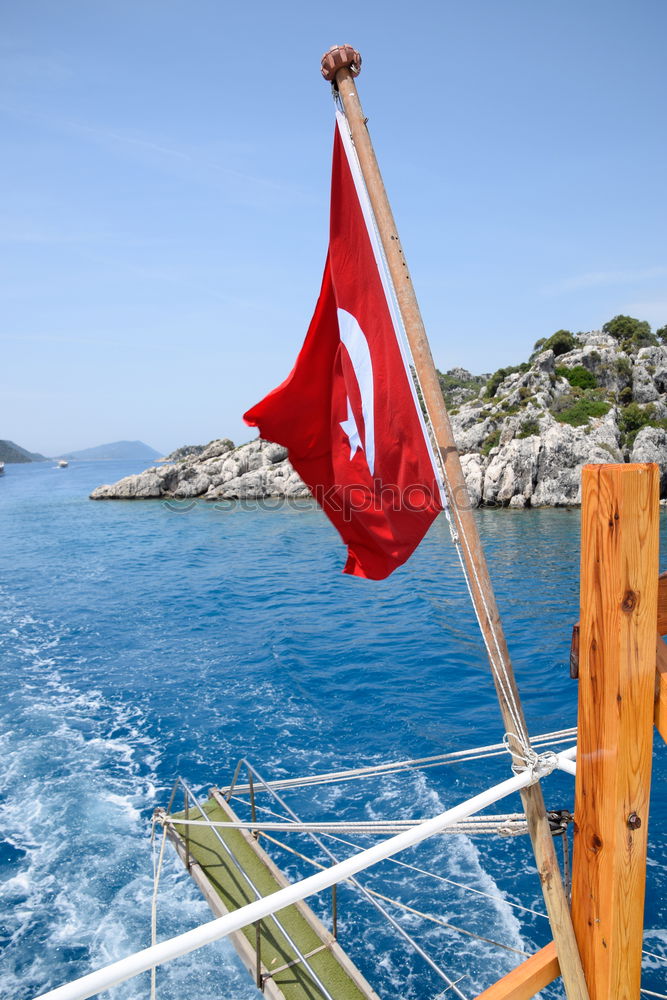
(355, 341)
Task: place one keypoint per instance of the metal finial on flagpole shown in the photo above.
(340, 57)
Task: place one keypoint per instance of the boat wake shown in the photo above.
(78, 783)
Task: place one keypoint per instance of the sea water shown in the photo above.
(145, 640)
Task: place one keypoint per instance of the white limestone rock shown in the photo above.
(512, 471)
(216, 471)
(474, 476)
(563, 452)
(146, 486)
(650, 445)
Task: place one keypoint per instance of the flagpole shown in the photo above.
(340, 65)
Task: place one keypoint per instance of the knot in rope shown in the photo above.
(527, 759)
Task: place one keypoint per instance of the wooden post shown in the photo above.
(340, 65)
(619, 577)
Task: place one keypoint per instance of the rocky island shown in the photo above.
(523, 432)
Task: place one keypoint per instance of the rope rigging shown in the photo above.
(505, 825)
(418, 763)
(558, 821)
(404, 906)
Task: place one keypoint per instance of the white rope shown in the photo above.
(498, 666)
(650, 993)
(157, 869)
(510, 824)
(418, 763)
(423, 871)
(540, 764)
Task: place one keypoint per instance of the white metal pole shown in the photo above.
(566, 760)
(214, 930)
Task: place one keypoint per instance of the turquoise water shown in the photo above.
(140, 641)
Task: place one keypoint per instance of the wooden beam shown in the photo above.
(619, 594)
(660, 707)
(527, 979)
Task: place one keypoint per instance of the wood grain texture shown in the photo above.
(660, 707)
(527, 979)
(617, 663)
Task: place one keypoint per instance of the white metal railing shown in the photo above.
(214, 930)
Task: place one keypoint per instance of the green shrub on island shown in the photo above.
(631, 333)
(560, 342)
(578, 376)
(528, 428)
(500, 376)
(492, 440)
(623, 368)
(578, 406)
(468, 387)
(633, 417)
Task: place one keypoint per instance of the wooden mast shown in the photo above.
(617, 671)
(340, 65)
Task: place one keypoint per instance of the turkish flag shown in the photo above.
(348, 413)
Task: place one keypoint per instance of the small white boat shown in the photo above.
(2, 468)
(62, 464)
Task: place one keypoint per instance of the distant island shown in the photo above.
(523, 432)
(13, 454)
(117, 451)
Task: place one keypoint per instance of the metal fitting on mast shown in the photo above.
(340, 57)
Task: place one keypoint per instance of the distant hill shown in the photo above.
(10, 452)
(116, 451)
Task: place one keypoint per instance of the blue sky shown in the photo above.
(165, 175)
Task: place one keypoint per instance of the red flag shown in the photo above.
(348, 413)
